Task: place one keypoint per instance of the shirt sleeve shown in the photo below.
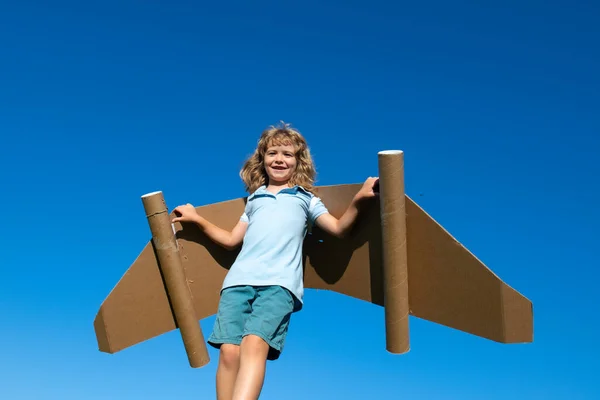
(247, 212)
(316, 209)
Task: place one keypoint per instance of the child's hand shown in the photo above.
(186, 213)
(369, 189)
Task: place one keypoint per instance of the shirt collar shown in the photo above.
(262, 190)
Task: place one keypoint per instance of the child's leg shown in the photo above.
(251, 374)
(227, 370)
(234, 309)
(263, 338)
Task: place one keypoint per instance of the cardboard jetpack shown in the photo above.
(396, 256)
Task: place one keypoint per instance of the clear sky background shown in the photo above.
(496, 107)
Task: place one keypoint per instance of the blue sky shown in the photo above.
(496, 108)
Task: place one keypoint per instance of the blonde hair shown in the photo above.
(253, 173)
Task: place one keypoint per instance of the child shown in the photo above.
(264, 286)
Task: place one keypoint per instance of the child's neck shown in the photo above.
(276, 187)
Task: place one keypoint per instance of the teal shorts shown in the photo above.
(263, 311)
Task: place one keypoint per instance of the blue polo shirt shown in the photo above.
(271, 252)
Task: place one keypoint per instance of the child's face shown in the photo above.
(280, 163)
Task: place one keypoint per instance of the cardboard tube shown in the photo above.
(169, 261)
(395, 266)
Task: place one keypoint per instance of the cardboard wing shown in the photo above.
(446, 283)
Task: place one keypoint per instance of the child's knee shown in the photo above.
(254, 344)
(229, 355)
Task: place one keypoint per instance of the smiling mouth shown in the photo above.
(279, 168)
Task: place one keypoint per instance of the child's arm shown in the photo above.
(340, 227)
(224, 238)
